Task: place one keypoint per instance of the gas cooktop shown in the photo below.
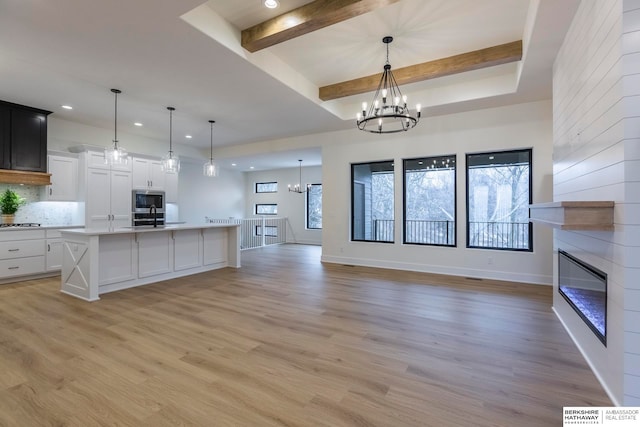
(20, 225)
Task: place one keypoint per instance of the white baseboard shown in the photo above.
(595, 371)
(539, 279)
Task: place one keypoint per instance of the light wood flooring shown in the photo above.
(287, 341)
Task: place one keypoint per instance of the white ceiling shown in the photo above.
(186, 54)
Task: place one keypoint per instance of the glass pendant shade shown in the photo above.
(170, 161)
(116, 155)
(210, 169)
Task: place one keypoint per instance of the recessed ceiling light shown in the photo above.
(137, 124)
(67, 107)
(188, 136)
(233, 164)
(250, 167)
(271, 4)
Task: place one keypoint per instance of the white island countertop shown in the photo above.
(143, 229)
(100, 260)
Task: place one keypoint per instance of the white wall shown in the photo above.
(200, 196)
(596, 157)
(505, 128)
(290, 205)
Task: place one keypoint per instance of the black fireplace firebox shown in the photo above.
(584, 287)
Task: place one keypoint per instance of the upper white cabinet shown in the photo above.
(64, 179)
(107, 192)
(148, 174)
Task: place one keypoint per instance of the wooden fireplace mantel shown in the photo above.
(568, 215)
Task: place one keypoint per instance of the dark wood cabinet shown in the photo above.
(23, 137)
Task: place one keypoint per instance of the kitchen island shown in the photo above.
(97, 261)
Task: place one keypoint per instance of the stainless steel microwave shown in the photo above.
(142, 201)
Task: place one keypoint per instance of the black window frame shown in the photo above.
(353, 165)
(455, 199)
(263, 183)
(309, 186)
(530, 226)
(265, 204)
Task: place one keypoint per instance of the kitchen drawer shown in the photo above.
(21, 266)
(53, 234)
(10, 235)
(21, 248)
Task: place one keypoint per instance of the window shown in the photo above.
(266, 187)
(372, 202)
(267, 209)
(269, 231)
(498, 198)
(430, 201)
(314, 206)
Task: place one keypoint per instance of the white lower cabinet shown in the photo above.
(53, 251)
(215, 248)
(21, 253)
(154, 253)
(54, 255)
(118, 255)
(186, 249)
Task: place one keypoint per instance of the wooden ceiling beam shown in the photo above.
(475, 60)
(305, 19)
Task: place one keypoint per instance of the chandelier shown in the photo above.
(297, 188)
(388, 113)
(210, 169)
(115, 155)
(171, 162)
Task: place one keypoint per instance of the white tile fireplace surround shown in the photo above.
(596, 153)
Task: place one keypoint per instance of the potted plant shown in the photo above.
(10, 201)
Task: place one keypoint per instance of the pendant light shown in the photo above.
(297, 188)
(210, 169)
(171, 162)
(115, 155)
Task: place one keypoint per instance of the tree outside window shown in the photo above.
(266, 209)
(266, 187)
(314, 206)
(372, 202)
(430, 200)
(498, 198)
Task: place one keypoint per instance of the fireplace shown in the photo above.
(585, 289)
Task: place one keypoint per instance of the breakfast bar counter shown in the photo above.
(97, 261)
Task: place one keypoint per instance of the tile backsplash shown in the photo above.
(45, 213)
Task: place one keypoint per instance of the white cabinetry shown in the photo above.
(53, 254)
(64, 179)
(107, 194)
(154, 254)
(21, 253)
(148, 174)
(187, 249)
